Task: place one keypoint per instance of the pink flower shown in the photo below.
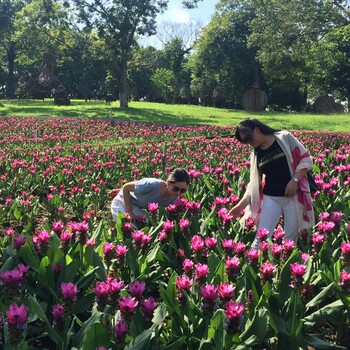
(66, 236)
(137, 288)
(264, 246)
(187, 265)
(253, 256)
(19, 241)
(266, 271)
(121, 250)
(201, 271)
(345, 281)
(297, 270)
(127, 306)
(288, 245)
(108, 248)
(197, 243)
(153, 207)
(263, 234)
(163, 236)
(148, 306)
(305, 256)
(115, 287)
(209, 292)
(226, 291)
(101, 289)
(232, 264)
(336, 217)
(210, 242)
(183, 283)
(276, 251)
(58, 311)
(17, 316)
(234, 311)
(184, 224)
(278, 236)
(326, 226)
(57, 227)
(69, 291)
(345, 250)
(10, 231)
(240, 248)
(168, 226)
(120, 329)
(228, 245)
(14, 277)
(146, 239)
(137, 236)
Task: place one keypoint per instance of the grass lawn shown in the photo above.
(175, 114)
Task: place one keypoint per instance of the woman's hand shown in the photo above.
(235, 211)
(291, 188)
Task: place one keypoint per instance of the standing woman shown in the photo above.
(278, 183)
(136, 195)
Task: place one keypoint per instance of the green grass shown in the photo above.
(175, 114)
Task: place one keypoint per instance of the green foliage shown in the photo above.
(165, 80)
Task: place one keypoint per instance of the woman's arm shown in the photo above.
(127, 188)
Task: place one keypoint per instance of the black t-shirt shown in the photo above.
(273, 163)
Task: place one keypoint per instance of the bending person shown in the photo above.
(136, 195)
(278, 183)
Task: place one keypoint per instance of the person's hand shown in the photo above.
(235, 212)
(291, 188)
(132, 216)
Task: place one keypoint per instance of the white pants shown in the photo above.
(272, 210)
(119, 206)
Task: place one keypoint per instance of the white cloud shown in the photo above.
(176, 14)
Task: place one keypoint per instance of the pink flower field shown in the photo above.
(187, 277)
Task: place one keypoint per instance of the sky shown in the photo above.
(176, 13)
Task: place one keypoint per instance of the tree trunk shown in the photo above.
(10, 84)
(123, 84)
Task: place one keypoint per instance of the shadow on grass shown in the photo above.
(96, 109)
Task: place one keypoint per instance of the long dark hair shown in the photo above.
(249, 124)
(179, 175)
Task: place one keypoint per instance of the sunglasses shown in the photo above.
(247, 139)
(248, 136)
(178, 189)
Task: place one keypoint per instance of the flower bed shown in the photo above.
(72, 278)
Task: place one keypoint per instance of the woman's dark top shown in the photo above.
(273, 163)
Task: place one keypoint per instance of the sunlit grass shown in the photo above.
(174, 114)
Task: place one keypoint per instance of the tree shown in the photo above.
(290, 35)
(8, 12)
(118, 23)
(165, 80)
(222, 60)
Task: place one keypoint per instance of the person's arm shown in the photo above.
(236, 210)
(127, 188)
(292, 185)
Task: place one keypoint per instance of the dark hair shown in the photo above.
(179, 175)
(249, 124)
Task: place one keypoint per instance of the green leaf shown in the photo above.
(69, 272)
(159, 315)
(97, 336)
(320, 344)
(317, 300)
(36, 308)
(258, 326)
(141, 342)
(322, 314)
(29, 256)
(79, 340)
(177, 344)
(216, 329)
